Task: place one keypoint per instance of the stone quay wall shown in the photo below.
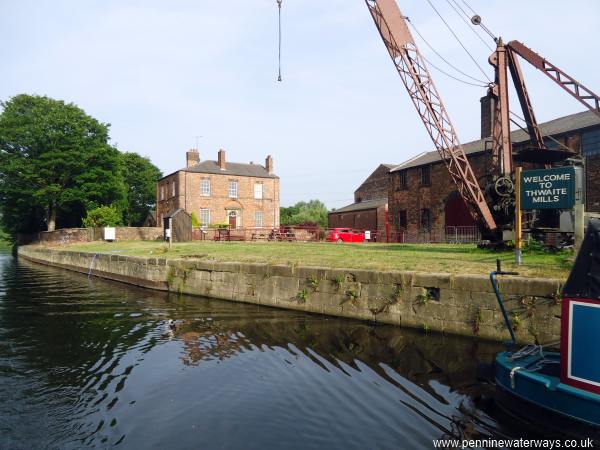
(455, 304)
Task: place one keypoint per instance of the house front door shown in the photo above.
(232, 220)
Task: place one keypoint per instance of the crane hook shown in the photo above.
(279, 55)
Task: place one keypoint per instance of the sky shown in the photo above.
(170, 75)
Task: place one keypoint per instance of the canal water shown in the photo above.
(88, 363)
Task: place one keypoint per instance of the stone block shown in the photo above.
(478, 283)
(542, 287)
(435, 280)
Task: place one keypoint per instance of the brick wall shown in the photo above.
(593, 183)
(375, 186)
(417, 197)
(188, 197)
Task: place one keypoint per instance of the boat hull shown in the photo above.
(543, 389)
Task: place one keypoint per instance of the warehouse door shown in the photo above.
(456, 212)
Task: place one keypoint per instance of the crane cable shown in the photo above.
(464, 16)
(279, 55)
(556, 141)
(482, 83)
(459, 41)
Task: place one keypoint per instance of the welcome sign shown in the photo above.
(548, 188)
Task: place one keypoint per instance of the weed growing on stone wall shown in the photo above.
(252, 288)
(171, 276)
(424, 297)
(556, 296)
(384, 307)
(339, 281)
(516, 321)
(351, 295)
(425, 327)
(302, 296)
(313, 281)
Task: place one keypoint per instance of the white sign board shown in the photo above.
(110, 233)
(367, 235)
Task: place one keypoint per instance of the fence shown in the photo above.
(281, 234)
(446, 235)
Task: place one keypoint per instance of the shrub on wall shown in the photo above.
(104, 216)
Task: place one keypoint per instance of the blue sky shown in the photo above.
(163, 72)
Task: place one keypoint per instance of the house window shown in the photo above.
(205, 216)
(258, 190)
(258, 218)
(425, 220)
(205, 187)
(402, 219)
(162, 192)
(426, 176)
(233, 189)
(403, 180)
(174, 188)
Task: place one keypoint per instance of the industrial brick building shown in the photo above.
(423, 198)
(370, 208)
(221, 192)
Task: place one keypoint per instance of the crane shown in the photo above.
(413, 71)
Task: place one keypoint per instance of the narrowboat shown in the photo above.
(559, 388)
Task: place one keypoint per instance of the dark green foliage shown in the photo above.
(55, 164)
(140, 176)
(103, 216)
(313, 212)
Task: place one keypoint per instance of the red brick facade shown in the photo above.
(211, 197)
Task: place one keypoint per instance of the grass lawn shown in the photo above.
(418, 257)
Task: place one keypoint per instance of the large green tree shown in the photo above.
(55, 164)
(313, 212)
(140, 177)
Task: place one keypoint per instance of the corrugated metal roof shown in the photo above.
(361, 206)
(561, 125)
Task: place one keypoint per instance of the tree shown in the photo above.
(140, 177)
(313, 212)
(55, 164)
(103, 216)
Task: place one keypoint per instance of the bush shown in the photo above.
(195, 221)
(104, 216)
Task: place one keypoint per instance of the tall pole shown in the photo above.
(170, 231)
(518, 224)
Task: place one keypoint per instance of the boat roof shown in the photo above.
(584, 280)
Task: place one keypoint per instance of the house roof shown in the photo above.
(174, 212)
(361, 206)
(231, 168)
(561, 125)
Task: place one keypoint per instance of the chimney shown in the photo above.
(192, 157)
(488, 104)
(269, 164)
(222, 159)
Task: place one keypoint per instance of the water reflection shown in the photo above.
(95, 363)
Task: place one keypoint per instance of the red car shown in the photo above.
(345, 235)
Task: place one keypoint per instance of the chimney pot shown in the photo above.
(221, 159)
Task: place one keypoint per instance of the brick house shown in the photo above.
(423, 198)
(370, 207)
(218, 192)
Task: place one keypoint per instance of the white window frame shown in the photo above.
(258, 191)
(204, 214)
(233, 189)
(259, 219)
(162, 192)
(205, 187)
(174, 189)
